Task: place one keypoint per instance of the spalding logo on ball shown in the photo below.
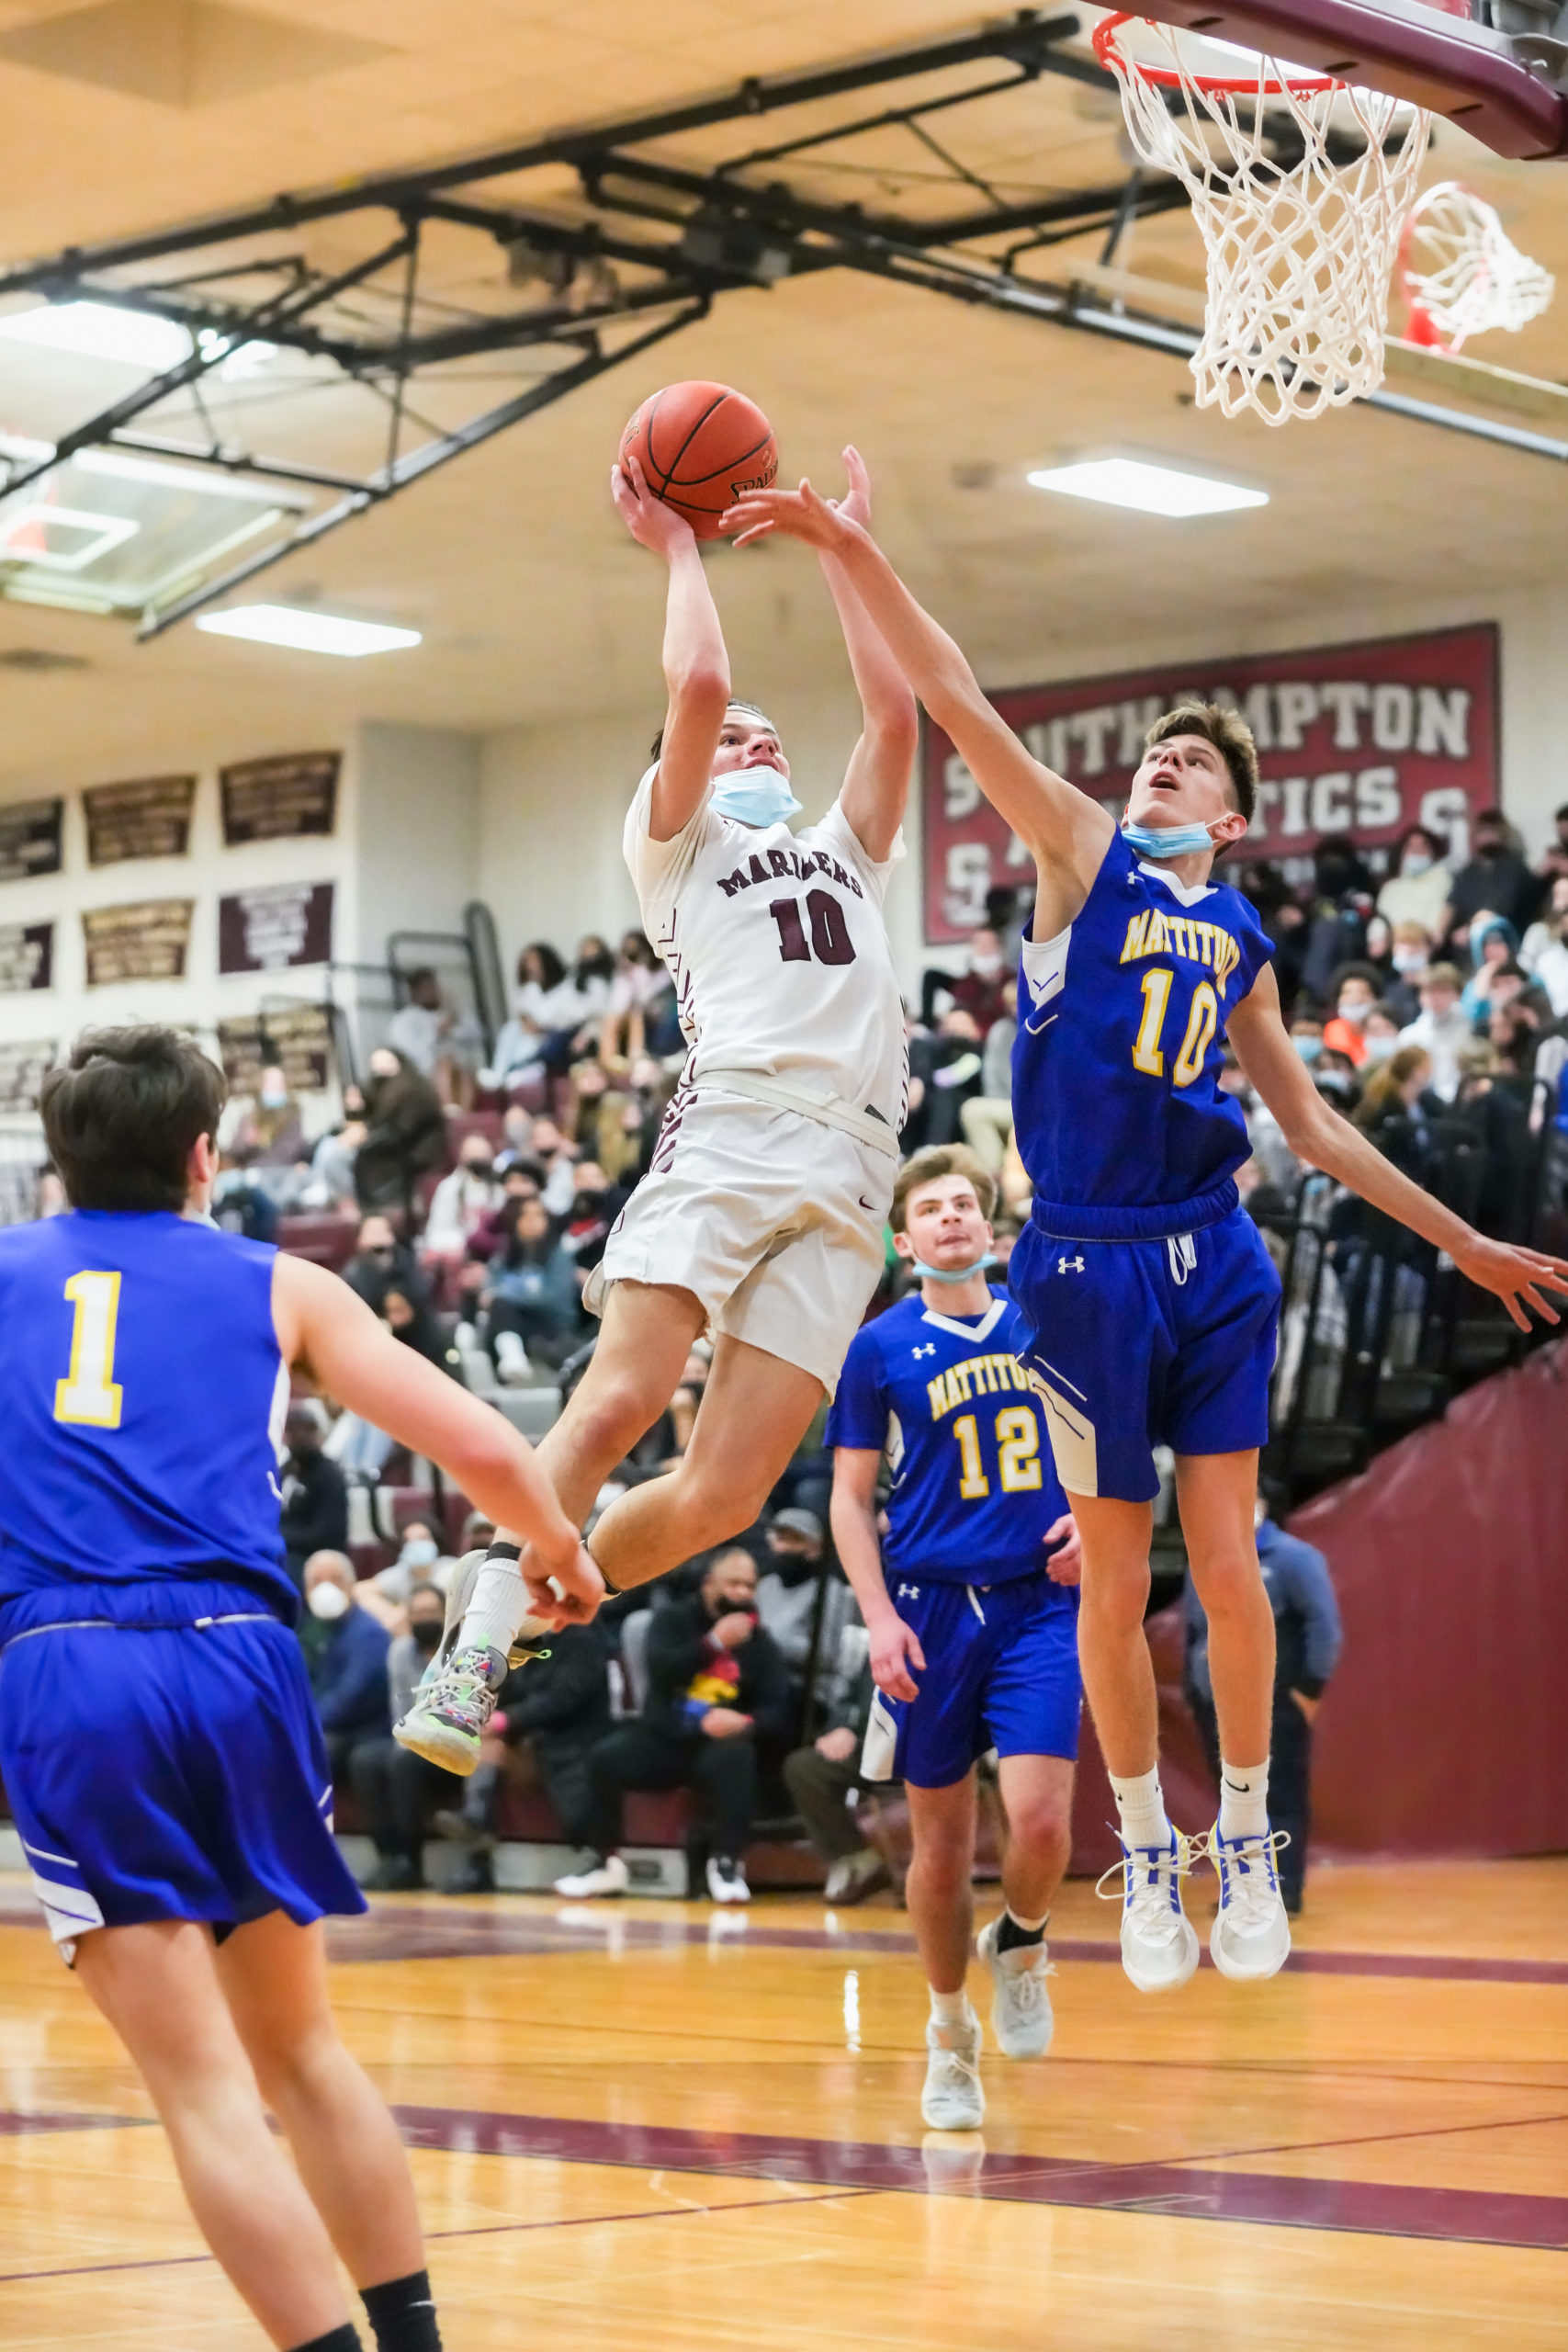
(700, 447)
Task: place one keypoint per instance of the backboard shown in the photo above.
(1494, 67)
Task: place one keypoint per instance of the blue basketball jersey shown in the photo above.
(1118, 1115)
(142, 1396)
(974, 1488)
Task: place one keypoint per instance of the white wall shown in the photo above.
(418, 836)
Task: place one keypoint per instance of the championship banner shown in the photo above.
(149, 818)
(26, 956)
(278, 800)
(266, 930)
(1353, 739)
(23, 1068)
(297, 1039)
(147, 941)
(30, 839)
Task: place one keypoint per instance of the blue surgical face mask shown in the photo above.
(961, 1274)
(759, 796)
(1309, 1048)
(419, 1552)
(1168, 841)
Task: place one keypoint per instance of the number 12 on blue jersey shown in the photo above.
(1018, 1453)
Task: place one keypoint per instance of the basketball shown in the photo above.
(700, 446)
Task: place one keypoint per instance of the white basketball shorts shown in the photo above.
(773, 1220)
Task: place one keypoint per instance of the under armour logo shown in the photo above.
(918, 1353)
(1069, 1265)
(908, 1592)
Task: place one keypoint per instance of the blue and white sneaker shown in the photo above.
(1160, 1943)
(1251, 1935)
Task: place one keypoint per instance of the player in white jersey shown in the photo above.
(762, 1217)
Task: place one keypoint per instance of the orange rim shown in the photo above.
(1164, 77)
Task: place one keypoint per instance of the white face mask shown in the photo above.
(1354, 1014)
(1416, 860)
(1380, 1049)
(985, 968)
(327, 1600)
(1409, 959)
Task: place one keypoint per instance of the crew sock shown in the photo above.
(1244, 1800)
(1015, 1932)
(950, 2011)
(1140, 1801)
(337, 2339)
(403, 2314)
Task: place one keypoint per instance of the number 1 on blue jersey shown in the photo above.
(88, 1393)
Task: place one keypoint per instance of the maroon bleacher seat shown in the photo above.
(326, 1237)
(461, 1125)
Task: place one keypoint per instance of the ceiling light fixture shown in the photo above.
(1146, 489)
(101, 330)
(307, 632)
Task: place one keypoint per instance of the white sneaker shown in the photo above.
(1021, 2006)
(608, 1877)
(1160, 1943)
(855, 1876)
(511, 1362)
(952, 2099)
(1251, 1938)
(727, 1881)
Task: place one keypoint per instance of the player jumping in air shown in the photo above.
(1152, 1306)
(762, 1214)
(969, 1605)
(158, 1738)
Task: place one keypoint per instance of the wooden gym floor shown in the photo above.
(648, 2127)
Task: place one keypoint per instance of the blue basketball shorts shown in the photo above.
(1135, 1344)
(1001, 1671)
(169, 1773)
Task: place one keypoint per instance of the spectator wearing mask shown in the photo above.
(405, 1131)
(418, 1029)
(634, 1013)
(268, 1125)
(419, 1563)
(332, 1164)
(1541, 933)
(792, 1575)
(979, 991)
(539, 1040)
(1553, 864)
(1496, 881)
(1308, 1637)
(314, 1517)
(1354, 988)
(1410, 954)
(1418, 884)
(460, 1202)
(347, 1662)
(1336, 931)
(819, 1779)
(1493, 945)
(380, 1257)
(523, 1180)
(716, 1686)
(1380, 1031)
(411, 1319)
(240, 1201)
(595, 1205)
(561, 1709)
(533, 1305)
(396, 1792)
(1440, 1028)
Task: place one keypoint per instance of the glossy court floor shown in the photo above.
(651, 2127)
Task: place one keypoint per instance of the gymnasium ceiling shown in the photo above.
(144, 113)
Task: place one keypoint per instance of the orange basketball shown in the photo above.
(700, 446)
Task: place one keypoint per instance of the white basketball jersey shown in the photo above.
(777, 947)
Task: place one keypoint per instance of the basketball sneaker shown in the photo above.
(952, 2099)
(1021, 2006)
(1251, 1938)
(449, 1715)
(1160, 1943)
(727, 1880)
(609, 1877)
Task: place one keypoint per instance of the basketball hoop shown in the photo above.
(1301, 248)
(1461, 272)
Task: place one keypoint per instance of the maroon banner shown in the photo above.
(1358, 740)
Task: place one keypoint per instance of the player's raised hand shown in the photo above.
(651, 523)
(894, 1648)
(799, 513)
(855, 505)
(1065, 1563)
(1518, 1277)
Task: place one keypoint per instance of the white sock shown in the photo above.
(950, 2011)
(499, 1608)
(1244, 1800)
(1141, 1804)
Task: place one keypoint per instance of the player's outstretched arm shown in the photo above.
(697, 665)
(1066, 832)
(895, 1646)
(876, 783)
(1318, 1136)
(327, 1330)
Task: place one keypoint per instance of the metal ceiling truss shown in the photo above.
(646, 248)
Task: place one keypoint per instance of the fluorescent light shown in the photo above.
(1147, 490)
(307, 632)
(101, 330)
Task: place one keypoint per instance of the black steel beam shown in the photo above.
(389, 479)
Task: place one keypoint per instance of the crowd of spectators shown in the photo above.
(1428, 1000)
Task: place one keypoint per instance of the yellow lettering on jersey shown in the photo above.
(89, 1394)
(1137, 933)
(1153, 933)
(936, 1390)
(981, 1377)
(1226, 958)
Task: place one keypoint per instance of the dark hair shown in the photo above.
(638, 948)
(596, 964)
(122, 1115)
(552, 971)
(1231, 737)
(1418, 833)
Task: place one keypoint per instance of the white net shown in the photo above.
(1462, 273)
(1301, 186)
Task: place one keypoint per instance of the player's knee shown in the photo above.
(1229, 1585)
(1042, 1827)
(616, 1415)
